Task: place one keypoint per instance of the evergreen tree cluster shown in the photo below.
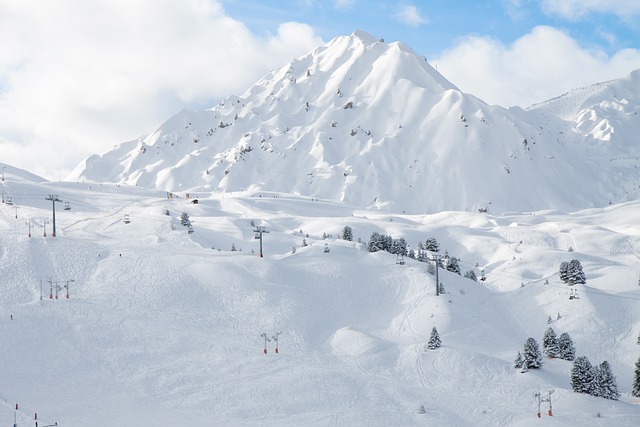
(383, 242)
(430, 245)
(571, 273)
(596, 380)
(452, 264)
(561, 347)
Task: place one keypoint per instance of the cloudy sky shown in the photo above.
(79, 76)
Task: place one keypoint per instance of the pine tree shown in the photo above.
(605, 384)
(550, 345)
(398, 247)
(532, 356)
(567, 351)
(575, 273)
(635, 390)
(582, 375)
(471, 275)
(434, 340)
(519, 362)
(564, 268)
(432, 245)
(375, 242)
(347, 233)
(452, 265)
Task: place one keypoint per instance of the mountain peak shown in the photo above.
(374, 125)
(365, 37)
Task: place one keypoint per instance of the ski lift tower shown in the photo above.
(53, 199)
(259, 231)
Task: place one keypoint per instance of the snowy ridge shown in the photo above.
(163, 327)
(374, 125)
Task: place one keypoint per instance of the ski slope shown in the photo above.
(163, 327)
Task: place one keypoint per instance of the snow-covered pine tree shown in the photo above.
(532, 355)
(347, 233)
(452, 265)
(564, 268)
(184, 219)
(434, 340)
(605, 384)
(304, 242)
(635, 388)
(582, 375)
(375, 242)
(471, 275)
(519, 362)
(550, 345)
(398, 247)
(431, 245)
(638, 342)
(387, 242)
(567, 351)
(575, 273)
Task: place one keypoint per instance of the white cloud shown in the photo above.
(410, 15)
(577, 9)
(540, 65)
(77, 77)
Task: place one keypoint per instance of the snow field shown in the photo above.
(163, 327)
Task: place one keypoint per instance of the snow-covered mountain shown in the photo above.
(165, 327)
(373, 124)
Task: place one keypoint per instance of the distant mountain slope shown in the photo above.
(374, 125)
(17, 174)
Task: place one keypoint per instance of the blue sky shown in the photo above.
(78, 77)
(432, 26)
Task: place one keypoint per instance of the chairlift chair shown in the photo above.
(574, 294)
(9, 201)
(326, 248)
(190, 230)
(400, 259)
(126, 219)
(67, 207)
